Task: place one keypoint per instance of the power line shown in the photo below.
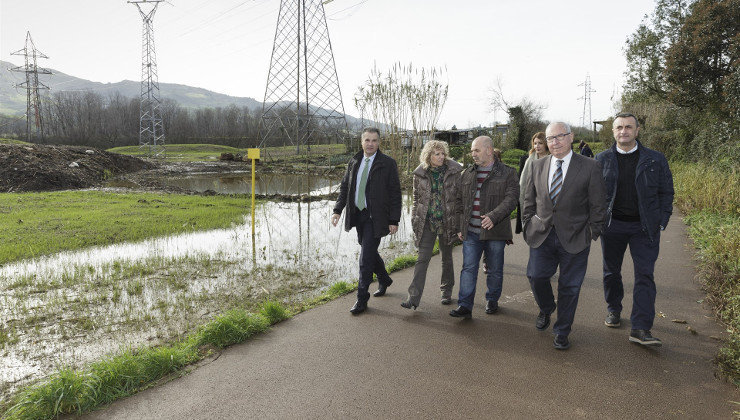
(586, 101)
(32, 84)
(303, 101)
(151, 129)
(347, 8)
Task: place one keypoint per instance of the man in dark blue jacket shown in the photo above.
(639, 192)
(371, 193)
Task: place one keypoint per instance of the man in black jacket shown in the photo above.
(371, 192)
(639, 193)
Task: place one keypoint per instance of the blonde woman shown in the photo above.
(436, 182)
(538, 151)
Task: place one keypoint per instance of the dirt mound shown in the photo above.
(46, 168)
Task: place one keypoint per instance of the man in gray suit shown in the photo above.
(564, 210)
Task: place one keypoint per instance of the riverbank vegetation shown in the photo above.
(48, 222)
(683, 83)
(212, 152)
(709, 196)
(79, 390)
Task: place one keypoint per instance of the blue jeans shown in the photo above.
(472, 251)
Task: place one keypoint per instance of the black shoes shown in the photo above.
(612, 320)
(446, 300)
(644, 338)
(358, 308)
(408, 305)
(491, 307)
(561, 342)
(461, 312)
(543, 320)
(382, 288)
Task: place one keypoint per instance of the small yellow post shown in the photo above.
(253, 154)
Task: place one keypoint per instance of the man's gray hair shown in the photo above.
(371, 130)
(554, 123)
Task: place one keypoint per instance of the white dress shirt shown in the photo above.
(554, 166)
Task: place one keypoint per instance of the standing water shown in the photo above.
(71, 308)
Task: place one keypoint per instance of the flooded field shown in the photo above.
(71, 308)
(266, 183)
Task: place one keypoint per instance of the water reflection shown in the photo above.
(285, 233)
(72, 307)
(266, 183)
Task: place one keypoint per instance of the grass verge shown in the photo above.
(71, 391)
(709, 196)
(11, 141)
(211, 152)
(49, 222)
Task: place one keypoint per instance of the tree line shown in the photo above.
(683, 80)
(91, 119)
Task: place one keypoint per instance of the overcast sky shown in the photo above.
(539, 49)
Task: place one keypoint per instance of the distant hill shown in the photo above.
(13, 101)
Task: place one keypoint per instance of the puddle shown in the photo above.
(265, 183)
(71, 308)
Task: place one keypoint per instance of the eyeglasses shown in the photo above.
(558, 137)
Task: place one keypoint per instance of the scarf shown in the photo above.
(436, 211)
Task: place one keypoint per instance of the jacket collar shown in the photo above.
(452, 168)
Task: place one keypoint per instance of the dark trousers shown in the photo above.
(370, 261)
(644, 253)
(543, 262)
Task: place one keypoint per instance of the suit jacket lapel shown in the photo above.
(545, 176)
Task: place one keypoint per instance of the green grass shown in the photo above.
(11, 141)
(35, 224)
(76, 391)
(211, 152)
(183, 152)
(709, 196)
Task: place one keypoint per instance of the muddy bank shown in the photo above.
(49, 168)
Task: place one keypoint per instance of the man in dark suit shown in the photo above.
(564, 210)
(639, 189)
(371, 192)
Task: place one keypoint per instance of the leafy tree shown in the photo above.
(701, 62)
(525, 117)
(646, 49)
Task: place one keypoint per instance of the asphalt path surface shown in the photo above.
(393, 362)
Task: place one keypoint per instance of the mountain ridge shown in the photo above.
(13, 101)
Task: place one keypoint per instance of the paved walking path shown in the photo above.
(391, 362)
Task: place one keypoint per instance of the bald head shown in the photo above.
(482, 151)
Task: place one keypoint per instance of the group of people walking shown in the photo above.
(566, 200)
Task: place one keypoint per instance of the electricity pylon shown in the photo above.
(151, 130)
(32, 85)
(303, 102)
(586, 101)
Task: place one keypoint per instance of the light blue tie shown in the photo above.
(363, 183)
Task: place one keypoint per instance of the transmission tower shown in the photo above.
(32, 85)
(586, 101)
(151, 132)
(303, 102)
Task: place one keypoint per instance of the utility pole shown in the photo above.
(151, 131)
(32, 85)
(303, 102)
(586, 101)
